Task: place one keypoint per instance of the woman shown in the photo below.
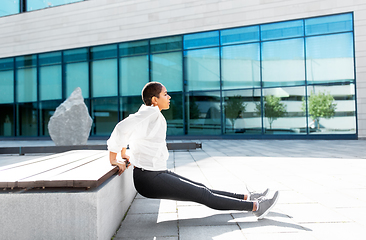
(145, 133)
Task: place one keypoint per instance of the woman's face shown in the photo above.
(163, 101)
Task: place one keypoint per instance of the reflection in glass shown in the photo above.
(6, 120)
(26, 61)
(283, 63)
(340, 121)
(26, 85)
(166, 44)
(104, 112)
(49, 58)
(7, 86)
(282, 110)
(40, 4)
(76, 55)
(241, 113)
(203, 113)
(6, 64)
(329, 24)
(77, 75)
(198, 40)
(130, 105)
(27, 119)
(167, 68)
(240, 35)
(102, 52)
(50, 86)
(240, 66)
(9, 7)
(134, 74)
(282, 30)
(133, 48)
(104, 78)
(47, 109)
(330, 58)
(174, 115)
(202, 69)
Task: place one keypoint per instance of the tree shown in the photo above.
(233, 107)
(273, 108)
(320, 106)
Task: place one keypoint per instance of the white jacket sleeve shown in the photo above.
(121, 134)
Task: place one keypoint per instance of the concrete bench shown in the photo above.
(70, 195)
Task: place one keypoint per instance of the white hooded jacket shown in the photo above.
(145, 133)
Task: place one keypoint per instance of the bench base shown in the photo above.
(67, 213)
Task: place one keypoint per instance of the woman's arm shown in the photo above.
(122, 166)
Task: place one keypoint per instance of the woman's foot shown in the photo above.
(254, 195)
(265, 205)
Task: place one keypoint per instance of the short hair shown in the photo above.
(151, 89)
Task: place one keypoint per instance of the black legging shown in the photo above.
(168, 185)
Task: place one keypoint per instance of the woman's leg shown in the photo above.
(228, 194)
(168, 185)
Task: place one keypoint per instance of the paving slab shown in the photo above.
(322, 188)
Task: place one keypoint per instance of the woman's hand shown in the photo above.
(122, 165)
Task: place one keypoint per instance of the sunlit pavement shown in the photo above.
(322, 188)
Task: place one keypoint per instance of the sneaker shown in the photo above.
(265, 205)
(254, 195)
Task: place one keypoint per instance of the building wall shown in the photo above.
(96, 22)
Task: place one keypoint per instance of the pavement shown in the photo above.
(322, 187)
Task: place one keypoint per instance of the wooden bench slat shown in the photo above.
(34, 168)
(65, 168)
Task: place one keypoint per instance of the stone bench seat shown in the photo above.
(76, 169)
(71, 195)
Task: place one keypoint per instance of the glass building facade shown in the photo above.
(10, 7)
(284, 79)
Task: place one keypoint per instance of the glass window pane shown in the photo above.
(130, 105)
(240, 66)
(76, 55)
(283, 62)
(47, 109)
(77, 75)
(50, 86)
(166, 44)
(241, 115)
(282, 30)
(40, 4)
(167, 68)
(329, 24)
(240, 35)
(26, 61)
(104, 78)
(27, 119)
(6, 120)
(202, 70)
(6, 63)
(9, 7)
(108, 51)
(283, 112)
(6, 86)
(330, 58)
(204, 113)
(26, 85)
(198, 40)
(174, 115)
(133, 48)
(332, 109)
(49, 58)
(134, 74)
(105, 115)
